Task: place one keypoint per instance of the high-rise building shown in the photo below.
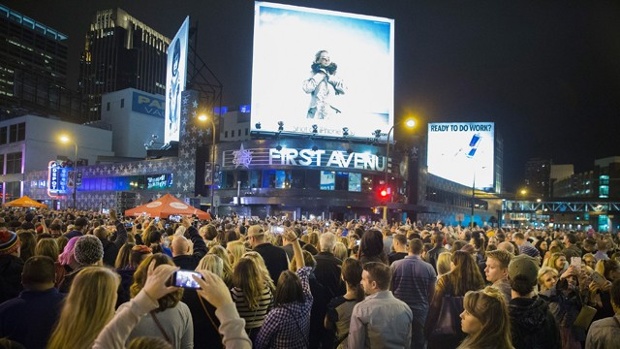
(33, 68)
(537, 177)
(121, 52)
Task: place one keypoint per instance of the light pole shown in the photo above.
(205, 118)
(410, 123)
(66, 140)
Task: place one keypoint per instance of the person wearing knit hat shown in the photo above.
(10, 265)
(88, 251)
(532, 323)
(9, 243)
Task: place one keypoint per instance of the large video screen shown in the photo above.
(176, 77)
(462, 153)
(322, 71)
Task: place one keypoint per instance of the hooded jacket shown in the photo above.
(533, 325)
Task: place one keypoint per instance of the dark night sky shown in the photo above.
(546, 72)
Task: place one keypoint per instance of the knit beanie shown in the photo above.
(9, 242)
(65, 257)
(88, 250)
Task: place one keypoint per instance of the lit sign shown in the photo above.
(57, 179)
(308, 158)
(148, 105)
(176, 76)
(159, 182)
(462, 152)
(321, 68)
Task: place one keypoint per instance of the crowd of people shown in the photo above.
(80, 279)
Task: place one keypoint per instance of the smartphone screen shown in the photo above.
(183, 278)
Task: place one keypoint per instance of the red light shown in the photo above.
(383, 193)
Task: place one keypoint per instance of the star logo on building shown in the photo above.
(242, 157)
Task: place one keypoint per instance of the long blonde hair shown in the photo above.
(221, 252)
(250, 280)
(236, 250)
(212, 263)
(260, 263)
(87, 309)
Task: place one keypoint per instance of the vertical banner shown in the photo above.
(208, 173)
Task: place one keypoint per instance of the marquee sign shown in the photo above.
(340, 159)
(57, 179)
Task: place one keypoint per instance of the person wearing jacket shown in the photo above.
(532, 323)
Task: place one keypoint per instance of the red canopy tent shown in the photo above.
(25, 201)
(165, 206)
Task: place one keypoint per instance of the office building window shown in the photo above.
(3, 135)
(14, 163)
(17, 132)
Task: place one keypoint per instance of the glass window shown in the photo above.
(255, 179)
(342, 181)
(122, 102)
(3, 135)
(13, 190)
(14, 163)
(355, 182)
(328, 180)
(1, 164)
(17, 132)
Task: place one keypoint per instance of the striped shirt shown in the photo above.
(253, 317)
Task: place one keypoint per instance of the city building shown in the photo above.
(537, 178)
(29, 143)
(33, 69)
(557, 173)
(137, 119)
(121, 52)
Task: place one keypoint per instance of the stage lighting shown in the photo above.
(315, 148)
(280, 126)
(345, 131)
(278, 147)
(315, 128)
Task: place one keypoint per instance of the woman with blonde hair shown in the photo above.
(221, 252)
(340, 251)
(444, 263)
(206, 323)
(486, 321)
(47, 247)
(172, 320)
(235, 249)
(252, 293)
(464, 277)
(88, 307)
(260, 263)
(558, 262)
(547, 278)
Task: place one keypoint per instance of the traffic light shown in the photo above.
(384, 192)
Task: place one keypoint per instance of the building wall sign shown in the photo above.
(306, 158)
(57, 179)
(148, 105)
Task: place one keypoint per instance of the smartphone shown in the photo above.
(183, 278)
(575, 261)
(598, 279)
(174, 218)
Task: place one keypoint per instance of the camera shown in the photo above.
(174, 218)
(183, 278)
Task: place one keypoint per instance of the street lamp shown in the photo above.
(67, 140)
(410, 123)
(205, 118)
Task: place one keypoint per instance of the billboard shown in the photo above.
(176, 78)
(318, 71)
(462, 152)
